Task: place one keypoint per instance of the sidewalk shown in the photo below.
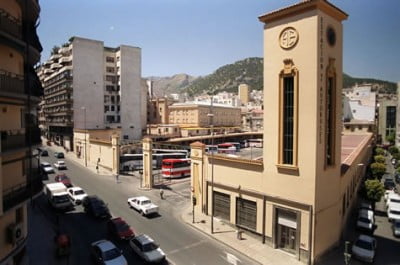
(249, 245)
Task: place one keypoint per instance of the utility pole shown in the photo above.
(84, 121)
(211, 115)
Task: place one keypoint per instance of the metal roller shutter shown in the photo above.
(222, 205)
(246, 213)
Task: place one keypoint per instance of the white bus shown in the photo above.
(131, 162)
(255, 143)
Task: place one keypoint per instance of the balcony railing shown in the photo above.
(10, 24)
(22, 192)
(10, 82)
(12, 139)
(32, 38)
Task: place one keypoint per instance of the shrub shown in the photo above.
(374, 190)
(379, 151)
(380, 159)
(378, 169)
(393, 150)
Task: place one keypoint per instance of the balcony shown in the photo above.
(22, 192)
(10, 24)
(33, 136)
(12, 139)
(11, 83)
(32, 38)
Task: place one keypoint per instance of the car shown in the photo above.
(387, 194)
(118, 228)
(397, 178)
(76, 194)
(60, 165)
(46, 168)
(59, 154)
(44, 153)
(143, 205)
(106, 253)
(389, 184)
(365, 220)
(147, 249)
(64, 179)
(396, 227)
(393, 211)
(393, 161)
(392, 198)
(364, 248)
(96, 207)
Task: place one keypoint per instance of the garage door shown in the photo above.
(222, 205)
(246, 213)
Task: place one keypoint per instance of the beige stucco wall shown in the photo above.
(103, 152)
(14, 171)
(11, 60)
(10, 117)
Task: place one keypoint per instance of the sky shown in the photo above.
(198, 36)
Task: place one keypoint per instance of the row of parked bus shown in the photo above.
(233, 147)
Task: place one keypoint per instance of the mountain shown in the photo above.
(230, 76)
(248, 71)
(163, 86)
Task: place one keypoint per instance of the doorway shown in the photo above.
(286, 231)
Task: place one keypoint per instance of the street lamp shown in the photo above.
(84, 121)
(211, 115)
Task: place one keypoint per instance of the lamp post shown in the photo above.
(211, 115)
(84, 121)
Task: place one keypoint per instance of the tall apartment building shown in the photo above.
(90, 86)
(244, 94)
(20, 92)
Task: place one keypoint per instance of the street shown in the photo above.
(181, 243)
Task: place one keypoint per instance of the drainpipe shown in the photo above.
(263, 221)
(311, 236)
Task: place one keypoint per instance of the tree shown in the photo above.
(374, 190)
(54, 50)
(378, 169)
(380, 159)
(379, 151)
(393, 150)
(396, 156)
(391, 138)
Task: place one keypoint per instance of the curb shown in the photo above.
(216, 239)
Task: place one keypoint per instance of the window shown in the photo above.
(110, 78)
(106, 108)
(330, 114)
(288, 118)
(390, 120)
(112, 108)
(109, 59)
(110, 69)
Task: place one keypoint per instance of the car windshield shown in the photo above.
(122, 227)
(364, 220)
(394, 212)
(364, 244)
(47, 166)
(79, 192)
(149, 247)
(111, 254)
(395, 200)
(60, 199)
(146, 202)
(397, 224)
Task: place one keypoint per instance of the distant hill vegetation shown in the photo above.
(248, 71)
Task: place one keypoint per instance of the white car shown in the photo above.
(388, 193)
(364, 248)
(393, 211)
(60, 165)
(76, 194)
(46, 167)
(365, 220)
(143, 205)
(106, 253)
(393, 198)
(366, 206)
(147, 249)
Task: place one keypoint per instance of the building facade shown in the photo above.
(298, 198)
(90, 86)
(387, 112)
(196, 115)
(20, 92)
(244, 94)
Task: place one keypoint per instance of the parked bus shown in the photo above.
(256, 143)
(236, 145)
(211, 149)
(226, 148)
(173, 168)
(131, 162)
(167, 151)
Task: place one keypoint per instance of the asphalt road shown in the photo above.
(181, 243)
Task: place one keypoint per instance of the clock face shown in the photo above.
(331, 36)
(288, 38)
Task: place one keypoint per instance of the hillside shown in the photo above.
(248, 71)
(230, 76)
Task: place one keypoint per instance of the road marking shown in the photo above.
(187, 247)
(231, 259)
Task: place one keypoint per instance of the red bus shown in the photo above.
(175, 167)
(226, 148)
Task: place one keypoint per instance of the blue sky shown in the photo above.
(198, 36)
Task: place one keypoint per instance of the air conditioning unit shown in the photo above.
(14, 232)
